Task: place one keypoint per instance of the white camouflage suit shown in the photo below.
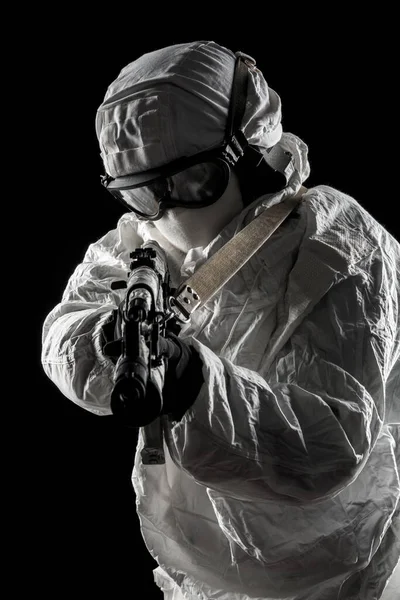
(282, 479)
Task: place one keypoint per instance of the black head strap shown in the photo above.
(276, 158)
(237, 103)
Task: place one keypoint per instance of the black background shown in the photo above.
(336, 84)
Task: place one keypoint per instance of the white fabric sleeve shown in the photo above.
(304, 430)
(71, 337)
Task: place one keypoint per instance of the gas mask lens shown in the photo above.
(144, 201)
(197, 186)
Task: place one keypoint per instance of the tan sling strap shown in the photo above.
(218, 269)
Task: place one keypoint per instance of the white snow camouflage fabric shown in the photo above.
(281, 481)
(155, 109)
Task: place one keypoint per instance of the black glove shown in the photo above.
(183, 367)
(111, 332)
(183, 376)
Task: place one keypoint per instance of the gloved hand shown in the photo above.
(183, 376)
(182, 367)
